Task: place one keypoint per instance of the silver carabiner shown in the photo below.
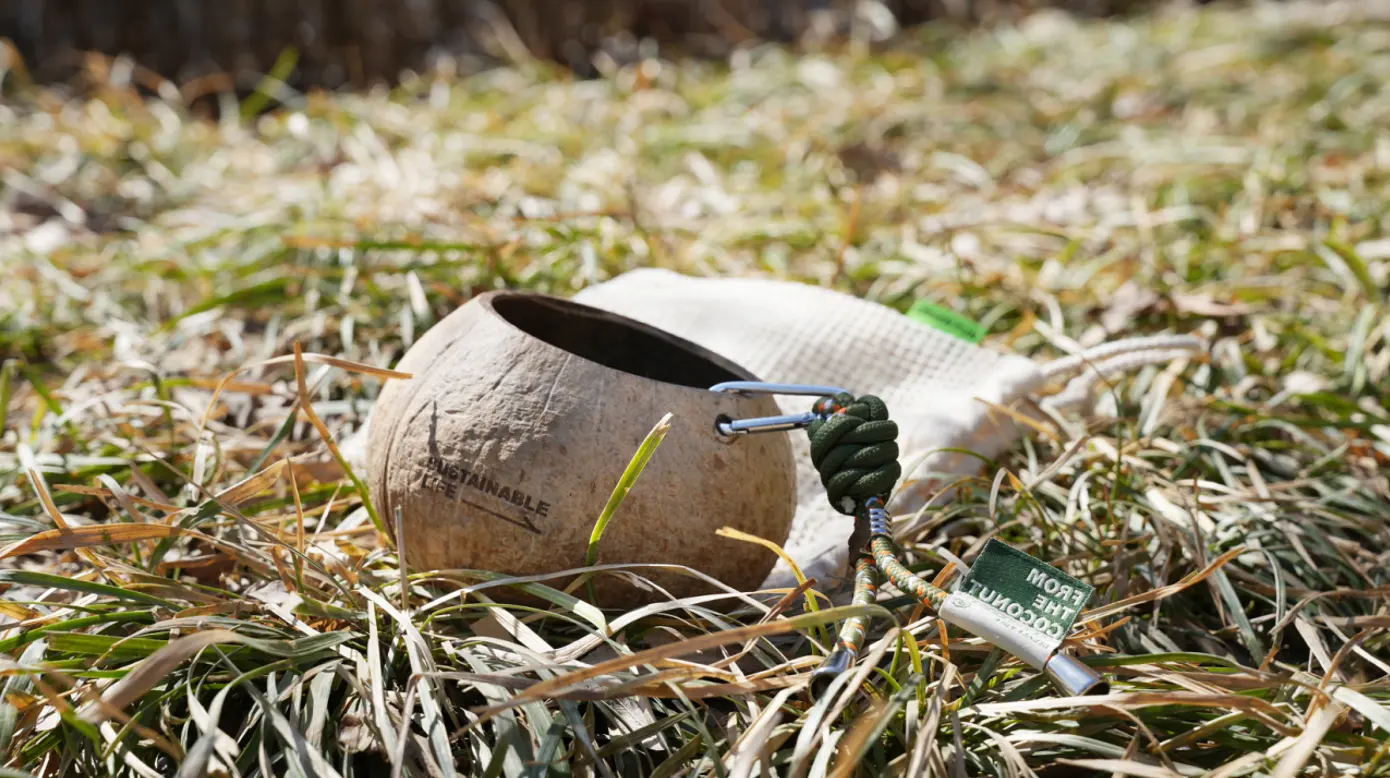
(732, 427)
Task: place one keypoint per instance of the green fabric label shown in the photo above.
(946, 320)
(1028, 591)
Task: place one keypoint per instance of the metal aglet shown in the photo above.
(837, 664)
(732, 427)
(1073, 678)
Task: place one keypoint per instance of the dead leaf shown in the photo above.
(1125, 304)
(1204, 304)
(345, 364)
(65, 539)
(242, 491)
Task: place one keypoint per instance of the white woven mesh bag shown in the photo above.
(944, 393)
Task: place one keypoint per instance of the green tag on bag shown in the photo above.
(1018, 602)
(946, 320)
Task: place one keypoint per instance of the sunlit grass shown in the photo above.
(1223, 171)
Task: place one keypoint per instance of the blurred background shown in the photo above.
(361, 42)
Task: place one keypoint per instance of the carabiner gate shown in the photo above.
(733, 427)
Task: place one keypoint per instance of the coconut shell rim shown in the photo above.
(737, 371)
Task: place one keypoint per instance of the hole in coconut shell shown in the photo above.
(616, 342)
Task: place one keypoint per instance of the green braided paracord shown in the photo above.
(855, 450)
(867, 579)
(886, 556)
(866, 582)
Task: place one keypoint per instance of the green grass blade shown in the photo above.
(279, 74)
(14, 687)
(262, 293)
(634, 469)
(7, 373)
(31, 578)
(1358, 268)
(116, 617)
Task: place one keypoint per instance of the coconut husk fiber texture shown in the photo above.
(521, 415)
(358, 42)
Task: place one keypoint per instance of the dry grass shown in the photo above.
(220, 601)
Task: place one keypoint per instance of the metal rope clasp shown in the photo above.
(733, 427)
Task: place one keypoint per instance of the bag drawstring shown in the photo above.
(1078, 390)
(1097, 354)
(1110, 359)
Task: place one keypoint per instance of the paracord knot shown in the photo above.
(855, 450)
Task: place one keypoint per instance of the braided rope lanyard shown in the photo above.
(854, 449)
